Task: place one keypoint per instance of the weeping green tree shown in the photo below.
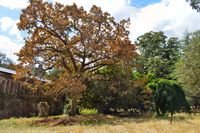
(169, 97)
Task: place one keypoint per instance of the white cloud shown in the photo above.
(173, 17)
(107, 5)
(14, 4)
(120, 9)
(9, 47)
(7, 24)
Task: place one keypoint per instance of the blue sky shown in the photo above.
(142, 3)
(173, 17)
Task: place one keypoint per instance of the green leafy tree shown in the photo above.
(195, 4)
(169, 97)
(114, 89)
(158, 54)
(5, 61)
(188, 68)
(185, 41)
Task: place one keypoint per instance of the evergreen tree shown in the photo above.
(169, 97)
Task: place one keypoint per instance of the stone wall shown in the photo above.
(17, 101)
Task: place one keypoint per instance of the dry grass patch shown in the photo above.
(183, 123)
(75, 120)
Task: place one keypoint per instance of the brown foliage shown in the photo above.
(71, 39)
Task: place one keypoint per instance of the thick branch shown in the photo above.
(95, 67)
(52, 32)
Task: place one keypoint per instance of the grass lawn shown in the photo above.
(183, 123)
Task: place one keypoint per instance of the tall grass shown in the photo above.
(182, 124)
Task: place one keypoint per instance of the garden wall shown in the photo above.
(17, 101)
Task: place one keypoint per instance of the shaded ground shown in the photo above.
(183, 123)
(82, 120)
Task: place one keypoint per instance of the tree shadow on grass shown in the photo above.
(94, 120)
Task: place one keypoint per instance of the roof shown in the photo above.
(9, 71)
(5, 70)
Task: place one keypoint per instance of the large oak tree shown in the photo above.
(76, 42)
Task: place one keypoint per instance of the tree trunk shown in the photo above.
(115, 110)
(171, 117)
(73, 107)
(125, 110)
(195, 104)
(194, 110)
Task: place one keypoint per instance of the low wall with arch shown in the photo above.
(17, 101)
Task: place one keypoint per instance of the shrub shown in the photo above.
(66, 108)
(88, 111)
(43, 109)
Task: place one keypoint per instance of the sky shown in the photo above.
(173, 17)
